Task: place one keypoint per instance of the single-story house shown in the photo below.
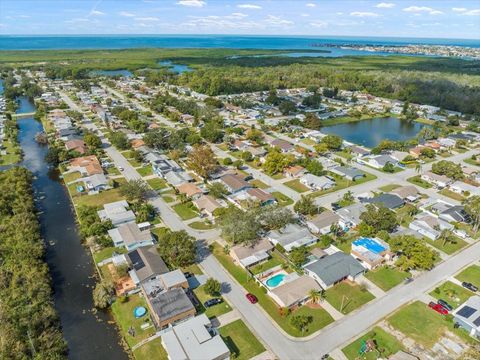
(315, 182)
(130, 236)
(322, 223)
(294, 171)
(350, 215)
(145, 264)
(207, 204)
(439, 181)
(429, 226)
(408, 193)
(294, 292)
(371, 252)
(190, 190)
(291, 236)
(77, 145)
(193, 339)
(455, 213)
(379, 161)
(335, 268)
(137, 143)
(167, 306)
(176, 178)
(390, 201)
(234, 183)
(464, 189)
(253, 194)
(358, 151)
(174, 279)
(348, 172)
(247, 255)
(283, 145)
(447, 143)
(117, 212)
(96, 182)
(467, 316)
(87, 165)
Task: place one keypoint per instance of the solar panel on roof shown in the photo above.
(466, 312)
(136, 260)
(477, 322)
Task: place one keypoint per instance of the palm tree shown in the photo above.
(314, 296)
(446, 236)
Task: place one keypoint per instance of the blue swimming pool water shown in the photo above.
(274, 281)
(139, 311)
(370, 244)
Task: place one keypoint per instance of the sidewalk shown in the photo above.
(331, 310)
(229, 317)
(373, 288)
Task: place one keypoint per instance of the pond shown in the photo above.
(122, 73)
(371, 132)
(178, 68)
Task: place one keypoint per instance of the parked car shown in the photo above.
(120, 168)
(408, 280)
(445, 304)
(469, 286)
(212, 302)
(252, 298)
(438, 308)
(188, 274)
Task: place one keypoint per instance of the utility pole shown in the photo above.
(343, 298)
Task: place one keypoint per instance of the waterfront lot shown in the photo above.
(151, 350)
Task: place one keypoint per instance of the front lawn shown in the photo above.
(389, 187)
(240, 340)
(124, 317)
(201, 225)
(185, 211)
(451, 194)
(157, 184)
(296, 185)
(145, 171)
(387, 345)
(449, 247)
(151, 350)
(417, 180)
(386, 277)
(322, 317)
(277, 176)
(423, 324)
(452, 293)
(213, 311)
(259, 184)
(283, 200)
(343, 183)
(470, 274)
(350, 294)
(470, 161)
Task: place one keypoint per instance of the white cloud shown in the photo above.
(319, 24)
(192, 3)
(277, 21)
(148, 18)
(96, 13)
(362, 14)
(310, 5)
(126, 13)
(304, 15)
(384, 5)
(422, 9)
(459, 9)
(239, 15)
(474, 12)
(249, 6)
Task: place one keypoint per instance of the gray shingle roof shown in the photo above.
(335, 267)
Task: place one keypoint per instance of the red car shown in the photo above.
(438, 308)
(252, 298)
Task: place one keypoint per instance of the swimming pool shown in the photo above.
(274, 281)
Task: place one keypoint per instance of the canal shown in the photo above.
(89, 335)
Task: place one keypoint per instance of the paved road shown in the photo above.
(336, 334)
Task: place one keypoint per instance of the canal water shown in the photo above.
(89, 335)
(370, 132)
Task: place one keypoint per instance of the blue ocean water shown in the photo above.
(42, 42)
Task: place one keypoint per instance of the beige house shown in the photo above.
(294, 292)
(246, 255)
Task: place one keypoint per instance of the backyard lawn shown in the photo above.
(417, 180)
(123, 313)
(449, 247)
(157, 183)
(352, 296)
(185, 211)
(387, 345)
(275, 260)
(283, 200)
(386, 277)
(151, 350)
(322, 318)
(104, 197)
(240, 340)
(470, 274)
(69, 177)
(296, 185)
(452, 293)
(107, 253)
(423, 324)
(213, 311)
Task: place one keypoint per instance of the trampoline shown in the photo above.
(139, 311)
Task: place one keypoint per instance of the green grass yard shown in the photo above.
(157, 183)
(417, 180)
(452, 293)
(107, 253)
(240, 340)
(296, 185)
(275, 260)
(185, 211)
(145, 171)
(448, 248)
(470, 274)
(451, 194)
(213, 311)
(343, 183)
(98, 199)
(259, 184)
(386, 278)
(283, 200)
(350, 294)
(389, 187)
(387, 345)
(201, 225)
(151, 350)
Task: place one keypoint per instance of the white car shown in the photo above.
(120, 168)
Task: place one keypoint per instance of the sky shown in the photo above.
(401, 18)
